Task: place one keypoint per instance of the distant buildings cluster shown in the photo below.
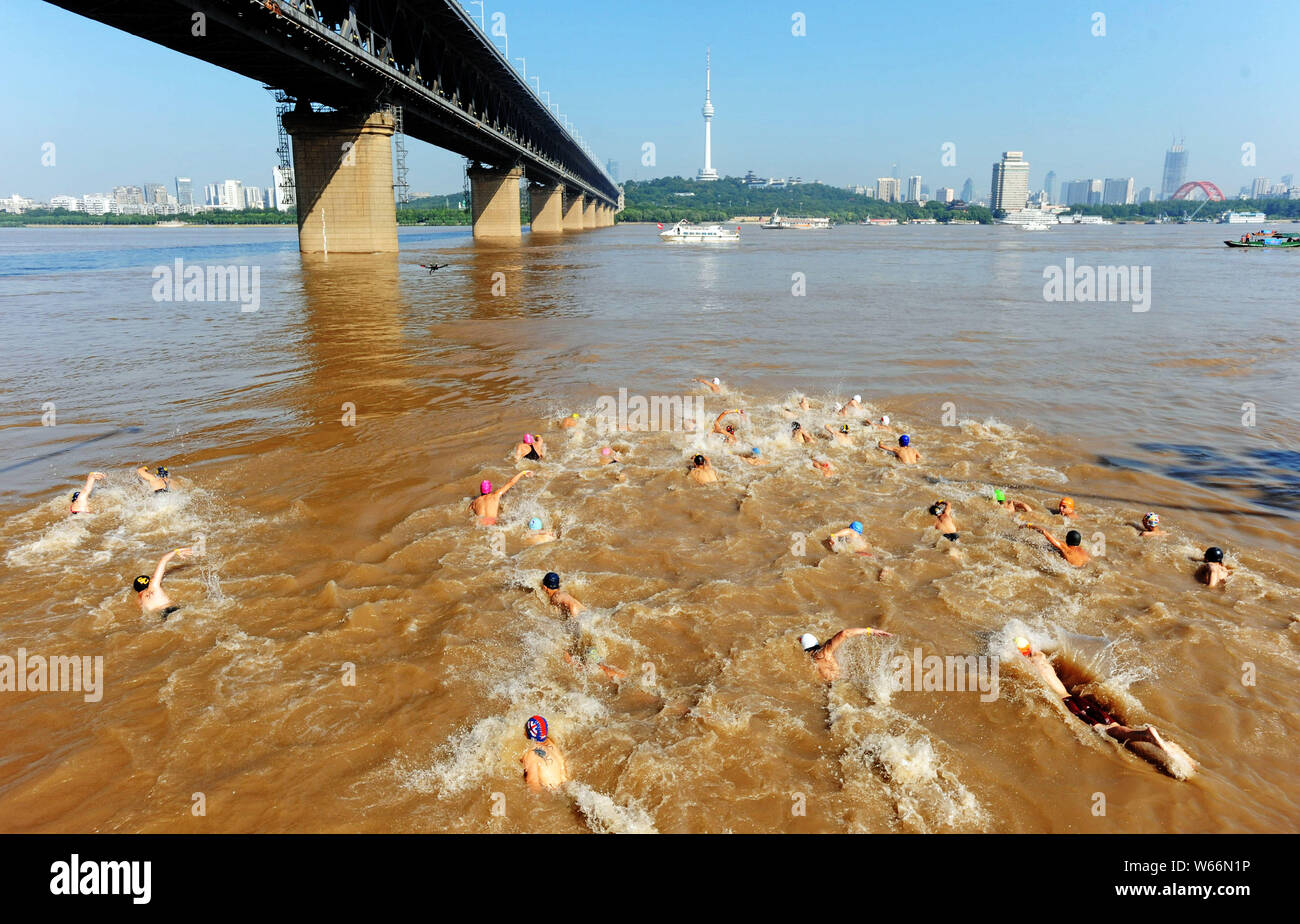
(156, 199)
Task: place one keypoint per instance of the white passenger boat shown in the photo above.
(687, 233)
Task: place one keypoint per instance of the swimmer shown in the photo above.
(799, 434)
(715, 385)
(573, 420)
(533, 448)
(823, 466)
(840, 435)
(536, 535)
(1151, 526)
(543, 762)
(81, 499)
(1212, 571)
(1065, 507)
(593, 657)
(702, 471)
(944, 520)
(848, 539)
(567, 603)
(1015, 506)
(607, 456)
(883, 424)
(754, 457)
(148, 590)
(904, 453)
(1072, 551)
(824, 655)
(729, 431)
(848, 410)
(160, 482)
(487, 506)
(803, 406)
(1167, 755)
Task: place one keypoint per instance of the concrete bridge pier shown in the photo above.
(547, 207)
(589, 214)
(573, 210)
(494, 193)
(343, 170)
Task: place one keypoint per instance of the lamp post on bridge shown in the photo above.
(482, 26)
(524, 64)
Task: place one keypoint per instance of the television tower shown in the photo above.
(707, 173)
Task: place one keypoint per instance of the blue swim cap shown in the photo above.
(535, 728)
(904, 440)
(856, 527)
(535, 523)
(756, 451)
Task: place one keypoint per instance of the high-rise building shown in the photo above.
(1175, 170)
(230, 195)
(1146, 195)
(945, 194)
(707, 173)
(887, 189)
(1117, 192)
(184, 193)
(253, 198)
(65, 202)
(1010, 182)
(282, 188)
(913, 189)
(1049, 185)
(1095, 190)
(1074, 192)
(1259, 188)
(968, 190)
(97, 203)
(611, 167)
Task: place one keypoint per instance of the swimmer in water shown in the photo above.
(799, 434)
(593, 658)
(573, 420)
(607, 456)
(1212, 571)
(803, 406)
(729, 431)
(567, 603)
(161, 482)
(840, 435)
(1151, 526)
(754, 457)
(148, 590)
(715, 386)
(824, 655)
(1167, 755)
(1015, 506)
(848, 539)
(81, 499)
(487, 506)
(533, 448)
(904, 453)
(944, 521)
(1065, 507)
(824, 466)
(702, 471)
(850, 409)
(536, 535)
(1073, 552)
(884, 425)
(543, 762)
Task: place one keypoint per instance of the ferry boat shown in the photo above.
(687, 233)
(1082, 220)
(1035, 226)
(880, 222)
(1242, 218)
(923, 221)
(1266, 239)
(777, 223)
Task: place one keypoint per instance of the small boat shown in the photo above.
(1266, 239)
(1035, 226)
(777, 223)
(687, 233)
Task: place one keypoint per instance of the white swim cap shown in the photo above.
(885, 420)
(838, 406)
(857, 398)
(808, 641)
(717, 381)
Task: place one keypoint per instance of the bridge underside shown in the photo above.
(454, 88)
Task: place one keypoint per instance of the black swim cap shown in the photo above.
(75, 495)
(699, 460)
(551, 581)
(1214, 553)
(162, 472)
(795, 425)
(1073, 537)
(140, 583)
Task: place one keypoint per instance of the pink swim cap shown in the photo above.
(605, 451)
(485, 487)
(528, 438)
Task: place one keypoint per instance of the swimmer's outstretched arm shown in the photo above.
(843, 635)
(889, 449)
(1056, 543)
(90, 483)
(501, 491)
(163, 562)
(843, 532)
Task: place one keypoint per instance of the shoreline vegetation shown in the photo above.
(670, 199)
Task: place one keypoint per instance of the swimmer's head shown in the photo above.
(731, 428)
(485, 487)
(905, 440)
(604, 451)
(756, 451)
(856, 527)
(535, 728)
(140, 583)
(574, 415)
(1022, 645)
(857, 399)
(939, 508)
(551, 581)
(535, 523)
(999, 495)
(1150, 520)
(844, 428)
(838, 406)
(75, 495)
(884, 420)
(1214, 553)
(528, 438)
(717, 381)
(1073, 538)
(162, 472)
(796, 426)
(808, 641)
(593, 654)
(699, 461)
(1066, 505)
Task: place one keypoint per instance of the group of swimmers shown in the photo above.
(543, 761)
(148, 589)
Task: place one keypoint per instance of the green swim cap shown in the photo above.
(998, 495)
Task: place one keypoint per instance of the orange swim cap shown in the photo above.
(1067, 503)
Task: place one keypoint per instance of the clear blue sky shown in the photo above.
(869, 85)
